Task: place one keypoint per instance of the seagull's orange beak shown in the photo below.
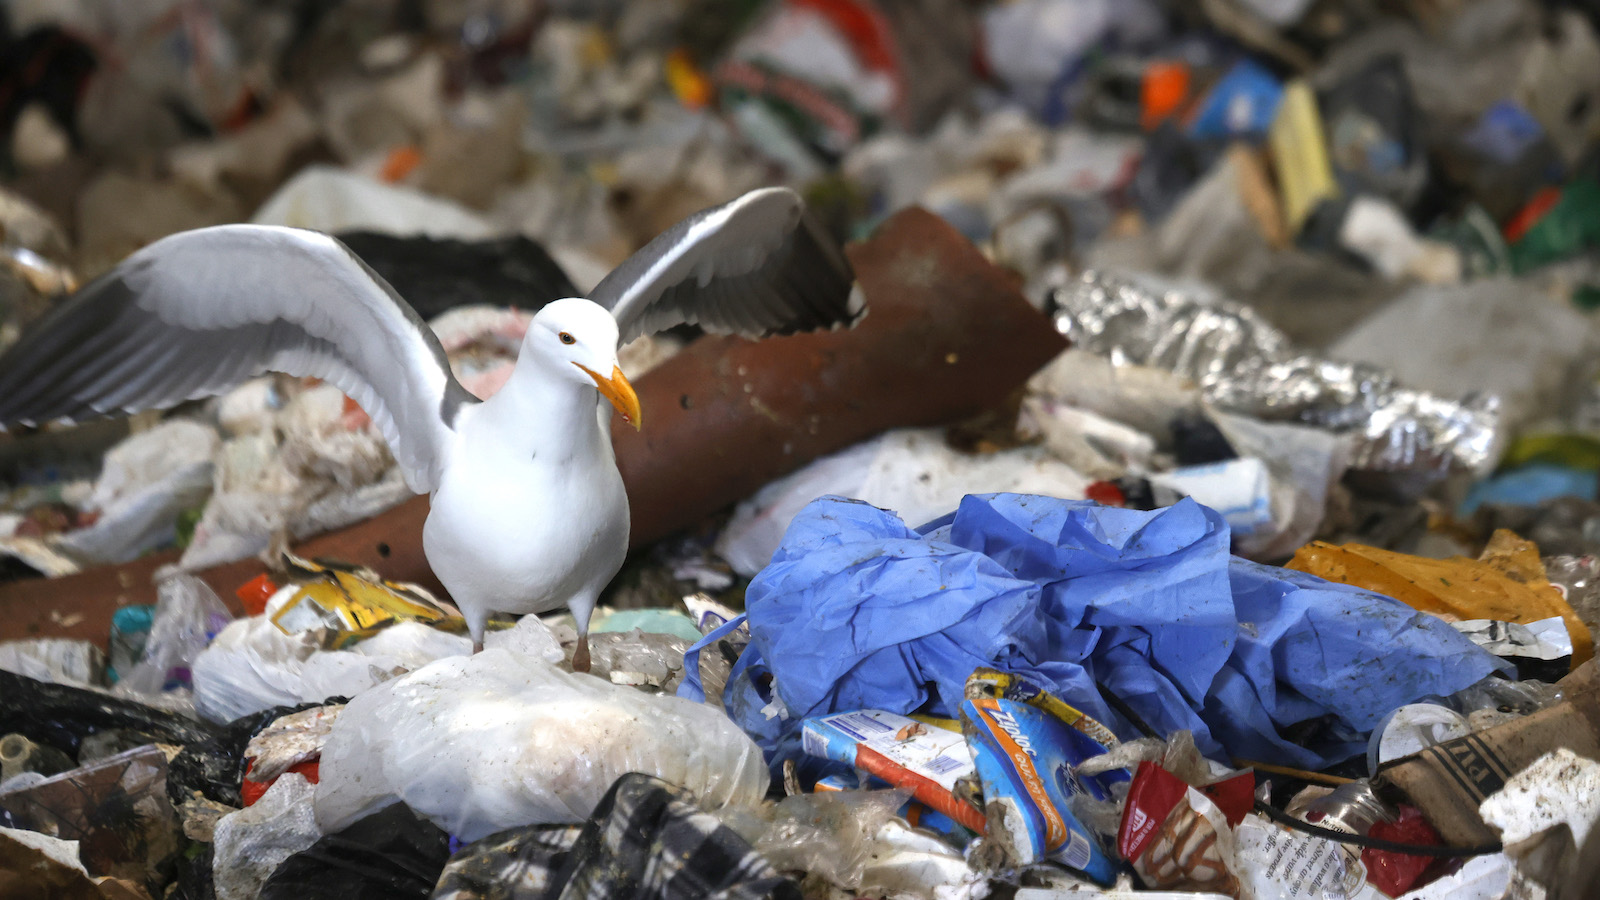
(618, 391)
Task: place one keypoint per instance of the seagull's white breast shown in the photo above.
(524, 532)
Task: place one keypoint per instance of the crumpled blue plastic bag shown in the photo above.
(857, 610)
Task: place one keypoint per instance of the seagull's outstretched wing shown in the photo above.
(198, 312)
(755, 266)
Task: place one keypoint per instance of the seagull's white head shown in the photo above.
(579, 338)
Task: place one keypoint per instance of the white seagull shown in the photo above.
(528, 509)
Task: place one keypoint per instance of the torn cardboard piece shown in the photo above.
(1450, 781)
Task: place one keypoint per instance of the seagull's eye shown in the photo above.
(567, 338)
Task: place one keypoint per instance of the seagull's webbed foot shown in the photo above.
(477, 646)
(580, 656)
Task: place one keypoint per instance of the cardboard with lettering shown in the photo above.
(1448, 781)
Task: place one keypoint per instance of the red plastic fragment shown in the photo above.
(1530, 214)
(1396, 873)
(1105, 493)
(251, 791)
(255, 593)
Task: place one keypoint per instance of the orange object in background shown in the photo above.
(1162, 93)
(689, 84)
(400, 162)
(255, 593)
(1507, 583)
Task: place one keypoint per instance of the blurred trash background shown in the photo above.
(1207, 505)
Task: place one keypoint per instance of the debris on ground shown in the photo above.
(1199, 499)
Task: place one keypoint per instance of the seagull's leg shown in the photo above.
(477, 623)
(582, 606)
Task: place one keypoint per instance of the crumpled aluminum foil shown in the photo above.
(1243, 364)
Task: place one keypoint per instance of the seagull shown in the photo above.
(528, 509)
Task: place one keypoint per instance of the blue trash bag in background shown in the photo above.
(856, 610)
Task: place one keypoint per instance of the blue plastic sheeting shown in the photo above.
(1531, 485)
(857, 610)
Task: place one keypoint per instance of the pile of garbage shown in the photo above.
(1206, 505)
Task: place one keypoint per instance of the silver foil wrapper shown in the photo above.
(1242, 364)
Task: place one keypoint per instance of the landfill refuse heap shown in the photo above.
(1040, 448)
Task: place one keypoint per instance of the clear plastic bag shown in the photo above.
(116, 808)
(252, 842)
(188, 615)
(54, 660)
(499, 739)
(828, 834)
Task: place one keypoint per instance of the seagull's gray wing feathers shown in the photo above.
(199, 312)
(757, 265)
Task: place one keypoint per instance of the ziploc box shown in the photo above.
(1025, 744)
(906, 753)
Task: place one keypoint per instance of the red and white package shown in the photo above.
(1180, 838)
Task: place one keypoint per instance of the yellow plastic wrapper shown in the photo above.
(350, 603)
(1507, 583)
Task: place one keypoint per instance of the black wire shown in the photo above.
(1283, 818)
(1122, 707)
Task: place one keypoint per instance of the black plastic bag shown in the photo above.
(61, 716)
(215, 766)
(393, 854)
(1374, 133)
(438, 275)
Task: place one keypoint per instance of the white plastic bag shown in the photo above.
(146, 482)
(330, 199)
(1493, 336)
(496, 740)
(252, 665)
(54, 660)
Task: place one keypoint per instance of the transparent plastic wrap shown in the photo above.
(831, 835)
(252, 842)
(54, 660)
(116, 808)
(1578, 579)
(1243, 364)
(188, 615)
(499, 739)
